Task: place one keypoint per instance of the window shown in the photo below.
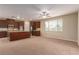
(54, 25)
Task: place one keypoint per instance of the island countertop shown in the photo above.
(18, 31)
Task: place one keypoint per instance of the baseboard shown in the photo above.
(60, 38)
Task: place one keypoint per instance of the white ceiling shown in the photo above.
(32, 11)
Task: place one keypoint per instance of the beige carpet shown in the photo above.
(38, 46)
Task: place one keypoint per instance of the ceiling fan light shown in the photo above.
(43, 16)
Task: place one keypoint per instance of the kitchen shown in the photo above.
(10, 26)
(18, 29)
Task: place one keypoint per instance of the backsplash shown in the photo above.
(3, 29)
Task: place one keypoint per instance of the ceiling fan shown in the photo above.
(44, 14)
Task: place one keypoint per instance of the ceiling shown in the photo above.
(32, 11)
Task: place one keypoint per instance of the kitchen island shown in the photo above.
(17, 35)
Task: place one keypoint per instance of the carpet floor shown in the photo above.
(38, 46)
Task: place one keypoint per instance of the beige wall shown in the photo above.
(69, 28)
(78, 27)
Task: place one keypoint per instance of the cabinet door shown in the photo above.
(3, 24)
(16, 25)
(3, 34)
(37, 24)
(36, 33)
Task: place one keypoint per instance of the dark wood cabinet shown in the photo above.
(16, 25)
(3, 24)
(3, 34)
(10, 24)
(18, 35)
(36, 33)
(10, 21)
(35, 25)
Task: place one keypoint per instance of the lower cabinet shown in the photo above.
(36, 33)
(18, 35)
(3, 34)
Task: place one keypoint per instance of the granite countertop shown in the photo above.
(13, 31)
(18, 31)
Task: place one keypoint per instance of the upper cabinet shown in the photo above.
(11, 24)
(37, 24)
(35, 28)
(3, 24)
